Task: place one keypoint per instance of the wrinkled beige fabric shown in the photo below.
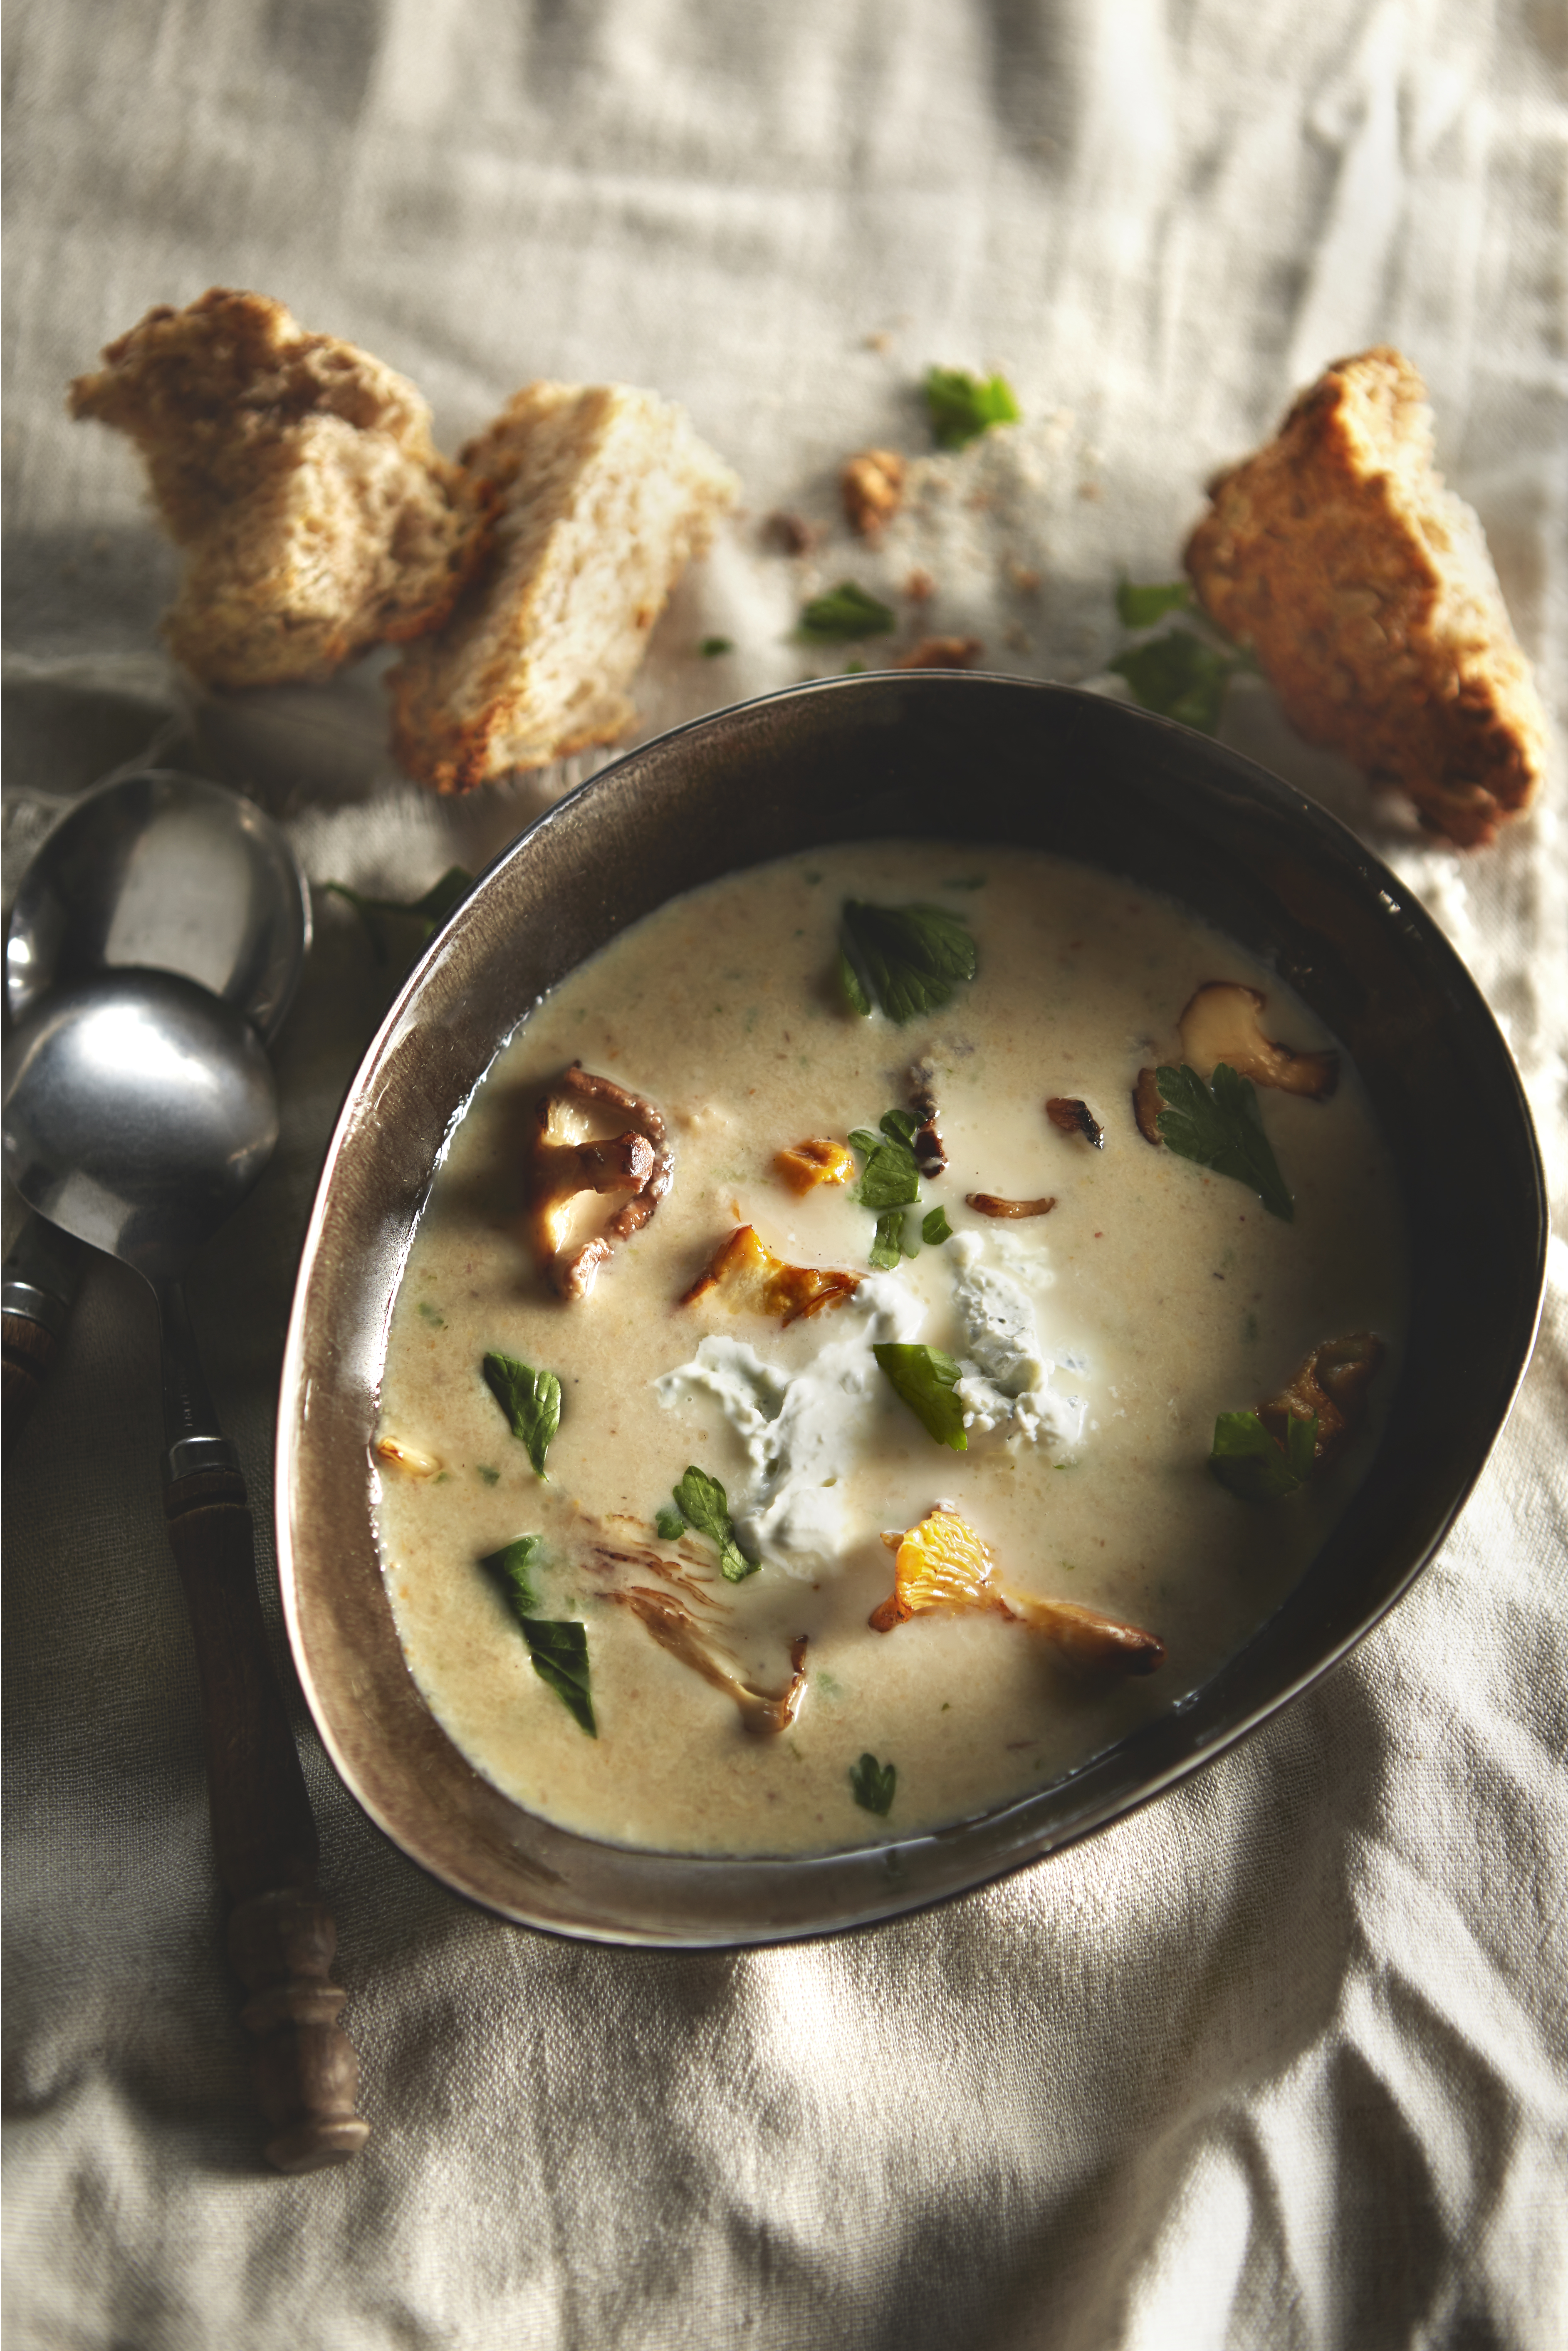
(1279, 2062)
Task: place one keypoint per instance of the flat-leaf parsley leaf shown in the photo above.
(908, 959)
(511, 1567)
(1140, 608)
(935, 1227)
(559, 1648)
(704, 1505)
(531, 1401)
(1251, 1463)
(430, 911)
(924, 1378)
(872, 1784)
(963, 406)
(844, 615)
(1223, 1129)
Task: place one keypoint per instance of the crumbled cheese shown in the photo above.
(803, 1434)
(1006, 1376)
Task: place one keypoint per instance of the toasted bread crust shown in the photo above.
(601, 495)
(298, 475)
(1367, 591)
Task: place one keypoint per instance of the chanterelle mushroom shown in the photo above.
(1331, 1385)
(744, 1272)
(941, 1563)
(1069, 1115)
(684, 1619)
(562, 1168)
(1220, 1024)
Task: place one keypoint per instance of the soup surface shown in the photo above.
(1095, 1341)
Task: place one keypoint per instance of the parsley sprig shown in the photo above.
(872, 1784)
(704, 1505)
(531, 1401)
(924, 1379)
(1223, 1129)
(844, 615)
(906, 959)
(1181, 672)
(429, 912)
(963, 406)
(1254, 1465)
(557, 1645)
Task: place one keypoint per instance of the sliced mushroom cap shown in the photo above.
(1220, 1024)
(400, 1455)
(1087, 1638)
(745, 1274)
(1147, 1106)
(563, 1169)
(1331, 1385)
(991, 1204)
(1069, 1115)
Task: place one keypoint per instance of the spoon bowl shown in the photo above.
(139, 1109)
(162, 872)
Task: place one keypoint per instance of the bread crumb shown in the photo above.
(872, 489)
(791, 533)
(919, 587)
(942, 652)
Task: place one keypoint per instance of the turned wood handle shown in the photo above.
(281, 1937)
(28, 1351)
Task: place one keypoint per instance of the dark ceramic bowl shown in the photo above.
(984, 760)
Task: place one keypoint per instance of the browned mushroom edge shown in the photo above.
(1070, 1115)
(989, 1204)
(639, 1162)
(1220, 1024)
(743, 1273)
(931, 1152)
(1331, 1385)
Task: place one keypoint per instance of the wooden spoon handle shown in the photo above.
(281, 1938)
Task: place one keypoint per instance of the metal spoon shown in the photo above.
(161, 872)
(139, 1112)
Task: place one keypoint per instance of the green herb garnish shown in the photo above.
(559, 1648)
(704, 1505)
(924, 1378)
(1178, 676)
(531, 1401)
(1254, 1465)
(512, 1566)
(430, 911)
(891, 1242)
(1223, 1129)
(963, 406)
(935, 1228)
(872, 1784)
(491, 1477)
(845, 614)
(669, 1525)
(712, 647)
(1140, 608)
(428, 1314)
(889, 1179)
(908, 959)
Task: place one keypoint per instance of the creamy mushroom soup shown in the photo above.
(874, 1400)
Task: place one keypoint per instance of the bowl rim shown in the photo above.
(898, 1889)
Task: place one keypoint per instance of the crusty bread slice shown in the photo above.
(1368, 590)
(299, 476)
(602, 495)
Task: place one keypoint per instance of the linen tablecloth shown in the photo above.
(1281, 2060)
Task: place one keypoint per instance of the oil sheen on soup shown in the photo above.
(947, 1372)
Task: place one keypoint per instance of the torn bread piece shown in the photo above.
(602, 495)
(298, 476)
(1366, 590)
